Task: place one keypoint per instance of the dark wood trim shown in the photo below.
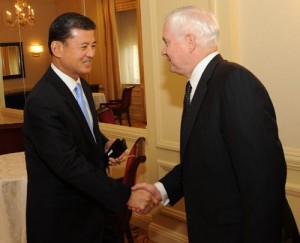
(11, 138)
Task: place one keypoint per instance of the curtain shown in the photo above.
(128, 47)
(109, 49)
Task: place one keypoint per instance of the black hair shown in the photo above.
(61, 28)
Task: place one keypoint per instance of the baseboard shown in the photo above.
(141, 221)
(158, 233)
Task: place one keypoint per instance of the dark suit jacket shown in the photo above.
(69, 192)
(232, 172)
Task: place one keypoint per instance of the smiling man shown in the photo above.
(70, 197)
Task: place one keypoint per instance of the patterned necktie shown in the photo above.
(82, 104)
(187, 96)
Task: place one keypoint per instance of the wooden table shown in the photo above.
(13, 191)
(8, 115)
(11, 137)
(98, 99)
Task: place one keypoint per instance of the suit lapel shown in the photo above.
(71, 102)
(189, 118)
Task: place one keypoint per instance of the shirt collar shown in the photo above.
(70, 82)
(198, 71)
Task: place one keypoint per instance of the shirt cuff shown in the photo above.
(163, 193)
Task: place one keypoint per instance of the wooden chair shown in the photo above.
(106, 115)
(121, 106)
(11, 138)
(135, 157)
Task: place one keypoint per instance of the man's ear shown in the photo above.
(191, 41)
(56, 48)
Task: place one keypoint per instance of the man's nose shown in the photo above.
(163, 51)
(90, 52)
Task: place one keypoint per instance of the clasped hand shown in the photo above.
(144, 197)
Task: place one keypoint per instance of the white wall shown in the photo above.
(268, 44)
(269, 36)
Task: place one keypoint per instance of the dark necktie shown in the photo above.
(187, 95)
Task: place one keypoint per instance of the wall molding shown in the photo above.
(292, 156)
(141, 220)
(164, 167)
(292, 189)
(117, 131)
(158, 233)
(173, 213)
(168, 145)
(155, 231)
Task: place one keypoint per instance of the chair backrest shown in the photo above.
(126, 96)
(11, 138)
(122, 218)
(106, 115)
(136, 156)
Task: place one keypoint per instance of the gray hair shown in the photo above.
(192, 20)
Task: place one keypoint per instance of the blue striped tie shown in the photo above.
(82, 104)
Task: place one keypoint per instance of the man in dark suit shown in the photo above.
(233, 171)
(70, 197)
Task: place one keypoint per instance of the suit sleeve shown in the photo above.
(173, 184)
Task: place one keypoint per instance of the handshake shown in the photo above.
(144, 197)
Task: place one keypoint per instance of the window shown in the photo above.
(128, 47)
